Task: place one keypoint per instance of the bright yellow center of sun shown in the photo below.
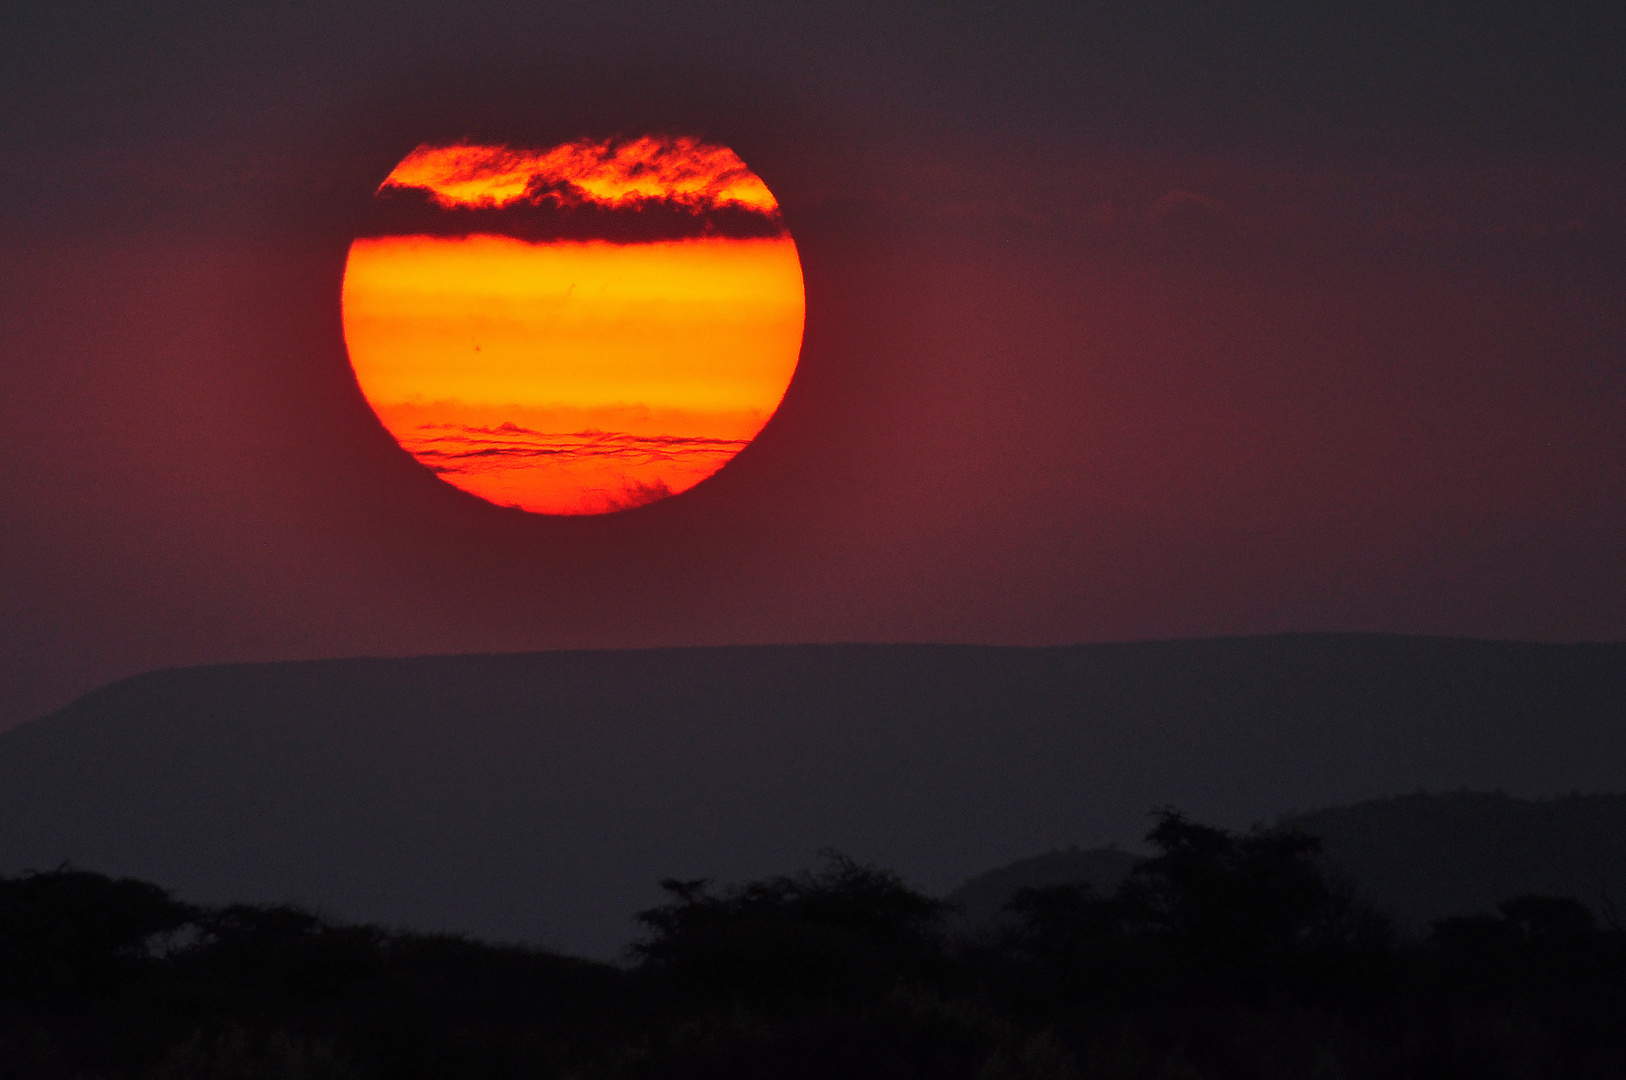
(535, 364)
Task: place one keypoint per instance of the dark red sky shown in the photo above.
(1150, 320)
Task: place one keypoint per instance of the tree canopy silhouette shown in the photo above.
(1223, 954)
(1213, 915)
(847, 932)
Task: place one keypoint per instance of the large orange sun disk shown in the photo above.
(573, 377)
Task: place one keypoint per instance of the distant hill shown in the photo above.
(541, 796)
(1425, 856)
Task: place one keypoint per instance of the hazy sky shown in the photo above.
(1145, 320)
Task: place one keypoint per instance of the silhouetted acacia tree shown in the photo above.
(70, 931)
(1213, 916)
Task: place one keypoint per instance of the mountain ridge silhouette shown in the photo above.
(541, 796)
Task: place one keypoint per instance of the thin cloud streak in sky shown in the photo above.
(603, 471)
(463, 443)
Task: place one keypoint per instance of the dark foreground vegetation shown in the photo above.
(1223, 956)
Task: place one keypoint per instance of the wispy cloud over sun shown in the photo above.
(612, 173)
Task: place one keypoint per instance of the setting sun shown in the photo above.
(564, 372)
